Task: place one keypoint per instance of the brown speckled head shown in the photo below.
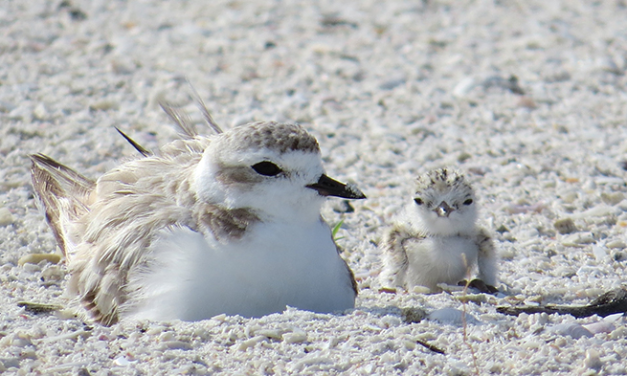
(442, 182)
(280, 137)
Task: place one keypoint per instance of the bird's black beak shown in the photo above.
(329, 187)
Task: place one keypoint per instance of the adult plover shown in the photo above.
(436, 239)
(228, 223)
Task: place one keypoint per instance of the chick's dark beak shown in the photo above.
(329, 187)
(443, 210)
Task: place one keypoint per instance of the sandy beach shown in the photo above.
(528, 99)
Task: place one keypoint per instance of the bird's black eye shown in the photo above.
(468, 202)
(418, 201)
(267, 168)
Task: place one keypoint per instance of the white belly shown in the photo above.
(440, 260)
(271, 268)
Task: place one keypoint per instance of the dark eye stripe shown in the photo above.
(266, 168)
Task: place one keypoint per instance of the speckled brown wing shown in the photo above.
(105, 227)
(394, 255)
(487, 258)
(130, 204)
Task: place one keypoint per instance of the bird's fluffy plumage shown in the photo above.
(436, 240)
(195, 230)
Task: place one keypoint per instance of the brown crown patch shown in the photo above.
(443, 180)
(281, 137)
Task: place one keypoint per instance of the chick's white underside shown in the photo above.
(436, 239)
(436, 260)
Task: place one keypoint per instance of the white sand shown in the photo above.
(391, 89)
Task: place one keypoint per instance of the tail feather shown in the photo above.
(63, 192)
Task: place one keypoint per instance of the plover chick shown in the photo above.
(436, 239)
(228, 223)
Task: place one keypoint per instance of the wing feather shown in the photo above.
(63, 192)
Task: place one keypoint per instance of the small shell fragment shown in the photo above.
(420, 290)
(593, 360)
(251, 342)
(52, 274)
(452, 316)
(578, 239)
(36, 258)
(175, 345)
(6, 218)
(475, 298)
(606, 325)
(616, 244)
(599, 211)
(565, 226)
(295, 337)
(612, 198)
(39, 308)
(413, 315)
(573, 330)
(270, 333)
(122, 361)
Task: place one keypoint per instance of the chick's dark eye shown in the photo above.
(468, 202)
(418, 201)
(266, 168)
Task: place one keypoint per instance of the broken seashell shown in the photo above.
(574, 330)
(36, 258)
(452, 316)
